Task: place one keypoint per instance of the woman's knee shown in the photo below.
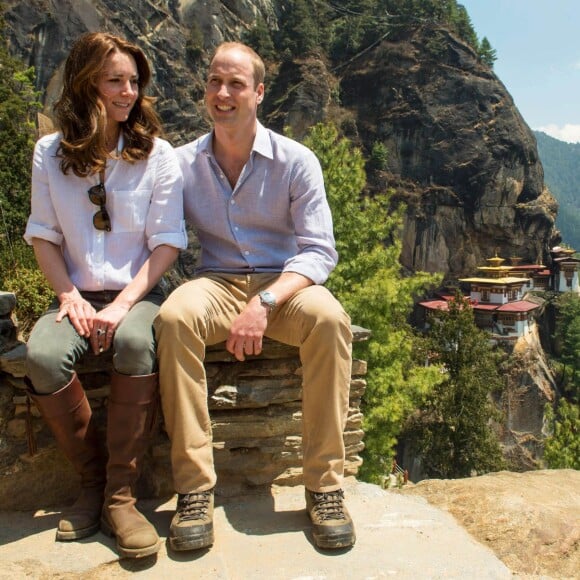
(48, 371)
(134, 353)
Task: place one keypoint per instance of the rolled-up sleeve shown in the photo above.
(165, 221)
(42, 222)
(317, 256)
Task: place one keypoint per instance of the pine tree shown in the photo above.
(562, 447)
(568, 335)
(487, 54)
(453, 432)
(369, 282)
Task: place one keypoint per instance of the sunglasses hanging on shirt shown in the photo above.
(98, 196)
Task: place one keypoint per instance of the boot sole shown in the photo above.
(131, 552)
(325, 543)
(182, 544)
(77, 534)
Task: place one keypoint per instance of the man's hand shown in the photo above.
(247, 330)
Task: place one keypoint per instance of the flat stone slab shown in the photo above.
(265, 536)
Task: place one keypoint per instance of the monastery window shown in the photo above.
(509, 319)
(485, 295)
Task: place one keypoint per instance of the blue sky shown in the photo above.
(538, 58)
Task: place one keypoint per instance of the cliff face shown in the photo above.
(459, 153)
(452, 130)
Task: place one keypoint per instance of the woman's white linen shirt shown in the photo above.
(144, 202)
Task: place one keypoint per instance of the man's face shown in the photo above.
(230, 96)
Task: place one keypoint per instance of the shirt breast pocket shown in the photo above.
(129, 210)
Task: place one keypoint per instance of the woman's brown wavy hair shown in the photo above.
(81, 116)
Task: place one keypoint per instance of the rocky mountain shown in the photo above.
(459, 153)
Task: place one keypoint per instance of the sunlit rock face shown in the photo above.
(459, 154)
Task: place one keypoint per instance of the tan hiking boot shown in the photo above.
(131, 412)
(332, 525)
(192, 525)
(136, 537)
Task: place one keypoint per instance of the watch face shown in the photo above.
(268, 299)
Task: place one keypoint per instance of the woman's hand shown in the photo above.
(80, 313)
(105, 324)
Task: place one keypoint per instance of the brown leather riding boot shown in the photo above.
(132, 408)
(68, 414)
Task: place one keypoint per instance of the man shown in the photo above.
(258, 204)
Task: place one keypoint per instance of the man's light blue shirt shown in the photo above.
(276, 219)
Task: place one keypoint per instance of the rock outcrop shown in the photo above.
(530, 520)
(459, 153)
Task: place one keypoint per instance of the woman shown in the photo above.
(106, 223)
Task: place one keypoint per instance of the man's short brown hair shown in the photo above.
(257, 62)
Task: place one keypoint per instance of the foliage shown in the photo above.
(18, 107)
(302, 28)
(487, 54)
(356, 25)
(379, 157)
(561, 163)
(343, 28)
(568, 335)
(562, 447)
(453, 432)
(33, 296)
(371, 286)
(260, 39)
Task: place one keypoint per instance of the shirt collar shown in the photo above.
(262, 142)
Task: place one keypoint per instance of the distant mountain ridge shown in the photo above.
(561, 162)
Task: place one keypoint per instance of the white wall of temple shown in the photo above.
(563, 283)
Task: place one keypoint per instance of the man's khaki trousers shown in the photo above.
(200, 313)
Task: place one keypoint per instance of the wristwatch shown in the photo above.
(268, 299)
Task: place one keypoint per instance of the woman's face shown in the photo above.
(118, 86)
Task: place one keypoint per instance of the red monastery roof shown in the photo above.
(435, 304)
(517, 306)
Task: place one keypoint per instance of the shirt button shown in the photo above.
(232, 202)
(246, 252)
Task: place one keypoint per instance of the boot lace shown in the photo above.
(328, 505)
(193, 506)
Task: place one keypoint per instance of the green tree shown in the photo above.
(487, 54)
(453, 433)
(562, 447)
(369, 282)
(300, 32)
(259, 38)
(568, 335)
(18, 108)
